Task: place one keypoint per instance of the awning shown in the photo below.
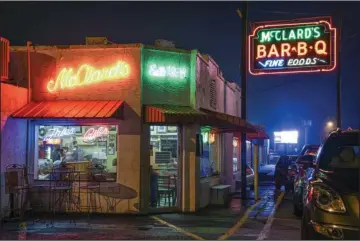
(71, 109)
(171, 114)
(260, 134)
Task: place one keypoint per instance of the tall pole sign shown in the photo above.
(296, 46)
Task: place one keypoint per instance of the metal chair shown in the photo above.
(92, 188)
(164, 190)
(16, 186)
(61, 188)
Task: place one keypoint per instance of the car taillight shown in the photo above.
(326, 199)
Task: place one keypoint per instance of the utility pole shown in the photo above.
(307, 124)
(244, 16)
(338, 80)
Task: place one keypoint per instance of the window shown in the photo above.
(236, 151)
(209, 157)
(78, 145)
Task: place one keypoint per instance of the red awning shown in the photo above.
(71, 109)
(172, 114)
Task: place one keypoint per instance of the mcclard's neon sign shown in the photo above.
(292, 48)
(87, 75)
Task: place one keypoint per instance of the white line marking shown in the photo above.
(266, 230)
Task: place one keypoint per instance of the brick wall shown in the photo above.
(13, 134)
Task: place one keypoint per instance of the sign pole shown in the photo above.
(243, 70)
(338, 80)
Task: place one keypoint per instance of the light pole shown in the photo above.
(244, 16)
(306, 124)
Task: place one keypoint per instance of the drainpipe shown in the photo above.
(28, 45)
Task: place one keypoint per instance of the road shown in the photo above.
(269, 218)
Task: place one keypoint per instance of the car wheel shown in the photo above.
(277, 185)
(307, 231)
(304, 228)
(297, 211)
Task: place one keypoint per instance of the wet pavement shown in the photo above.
(286, 226)
(240, 220)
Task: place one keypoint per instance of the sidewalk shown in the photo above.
(208, 223)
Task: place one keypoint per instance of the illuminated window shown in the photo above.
(209, 161)
(236, 151)
(77, 145)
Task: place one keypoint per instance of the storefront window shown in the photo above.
(208, 158)
(236, 150)
(77, 145)
(164, 162)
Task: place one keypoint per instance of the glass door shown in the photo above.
(164, 166)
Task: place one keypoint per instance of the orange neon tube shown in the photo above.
(86, 75)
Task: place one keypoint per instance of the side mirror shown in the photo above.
(306, 160)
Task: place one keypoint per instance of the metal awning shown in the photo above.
(64, 109)
(172, 114)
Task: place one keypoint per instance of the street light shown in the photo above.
(330, 124)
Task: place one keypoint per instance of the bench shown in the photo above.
(220, 194)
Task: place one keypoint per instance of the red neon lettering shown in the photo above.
(86, 75)
(285, 50)
(261, 51)
(320, 47)
(91, 134)
(273, 51)
(301, 48)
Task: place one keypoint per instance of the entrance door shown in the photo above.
(164, 163)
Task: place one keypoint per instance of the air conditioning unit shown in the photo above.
(164, 43)
(4, 58)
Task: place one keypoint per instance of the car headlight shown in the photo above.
(327, 199)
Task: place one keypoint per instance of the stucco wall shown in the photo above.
(46, 64)
(13, 134)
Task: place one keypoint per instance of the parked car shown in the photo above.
(309, 150)
(303, 167)
(331, 197)
(284, 173)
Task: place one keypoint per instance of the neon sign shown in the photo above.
(169, 71)
(91, 134)
(292, 48)
(87, 75)
(56, 133)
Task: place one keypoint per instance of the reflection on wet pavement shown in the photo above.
(208, 223)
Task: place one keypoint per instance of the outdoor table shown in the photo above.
(114, 193)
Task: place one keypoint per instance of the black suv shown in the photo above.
(331, 195)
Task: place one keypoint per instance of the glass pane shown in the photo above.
(78, 145)
(164, 151)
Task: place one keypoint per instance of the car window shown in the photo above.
(339, 157)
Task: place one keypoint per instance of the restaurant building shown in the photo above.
(163, 122)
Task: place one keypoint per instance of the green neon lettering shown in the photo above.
(316, 32)
(265, 36)
(292, 35)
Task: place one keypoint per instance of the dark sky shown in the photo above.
(213, 28)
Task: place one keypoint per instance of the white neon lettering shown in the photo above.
(301, 62)
(91, 134)
(56, 133)
(167, 71)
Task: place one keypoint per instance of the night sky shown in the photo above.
(278, 102)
